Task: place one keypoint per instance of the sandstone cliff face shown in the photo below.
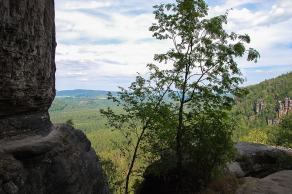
(27, 63)
(37, 157)
(61, 163)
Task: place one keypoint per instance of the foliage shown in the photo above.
(140, 105)
(271, 91)
(257, 136)
(105, 142)
(279, 135)
(182, 107)
(201, 81)
(226, 184)
(210, 144)
(207, 147)
(83, 111)
(82, 93)
(282, 134)
(205, 78)
(85, 114)
(111, 172)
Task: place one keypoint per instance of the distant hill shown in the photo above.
(82, 93)
(270, 91)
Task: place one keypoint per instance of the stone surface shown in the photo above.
(35, 156)
(27, 64)
(235, 168)
(258, 160)
(24, 125)
(254, 160)
(277, 183)
(61, 163)
(162, 177)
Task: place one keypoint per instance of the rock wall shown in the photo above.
(27, 64)
(37, 157)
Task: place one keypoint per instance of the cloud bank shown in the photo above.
(103, 44)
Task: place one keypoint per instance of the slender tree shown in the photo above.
(203, 59)
(141, 106)
(203, 78)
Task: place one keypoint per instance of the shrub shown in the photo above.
(256, 136)
(207, 147)
(282, 134)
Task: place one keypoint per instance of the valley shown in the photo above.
(83, 109)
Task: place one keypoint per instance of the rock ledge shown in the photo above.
(62, 162)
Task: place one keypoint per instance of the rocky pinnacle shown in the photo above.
(27, 66)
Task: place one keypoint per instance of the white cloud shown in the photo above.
(76, 24)
(270, 29)
(84, 4)
(109, 39)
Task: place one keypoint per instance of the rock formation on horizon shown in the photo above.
(37, 157)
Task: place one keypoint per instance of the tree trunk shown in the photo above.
(134, 159)
(179, 151)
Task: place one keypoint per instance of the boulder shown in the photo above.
(259, 160)
(277, 183)
(62, 162)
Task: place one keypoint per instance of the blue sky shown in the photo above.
(102, 44)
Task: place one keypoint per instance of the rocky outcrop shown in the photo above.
(284, 108)
(62, 162)
(259, 106)
(258, 160)
(27, 65)
(253, 161)
(263, 169)
(37, 157)
(277, 183)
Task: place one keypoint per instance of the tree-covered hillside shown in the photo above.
(84, 112)
(83, 93)
(270, 91)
